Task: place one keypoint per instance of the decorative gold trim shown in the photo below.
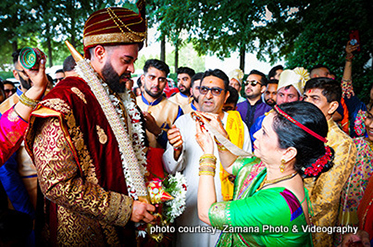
(13, 116)
(102, 137)
(79, 93)
(57, 104)
(111, 38)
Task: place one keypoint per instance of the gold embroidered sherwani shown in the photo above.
(79, 169)
(164, 112)
(179, 99)
(325, 192)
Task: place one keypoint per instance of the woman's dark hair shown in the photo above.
(309, 148)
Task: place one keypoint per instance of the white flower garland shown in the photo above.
(177, 187)
(136, 133)
(133, 125)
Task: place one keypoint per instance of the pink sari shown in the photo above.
(12, 128)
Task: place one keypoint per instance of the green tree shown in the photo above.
(318, 32)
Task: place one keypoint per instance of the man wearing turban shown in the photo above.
(83, 171)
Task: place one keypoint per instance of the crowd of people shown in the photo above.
(283, 159)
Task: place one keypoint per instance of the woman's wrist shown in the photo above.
(35, 93)
(207, 165)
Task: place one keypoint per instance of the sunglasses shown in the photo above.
(252, 82)
(10, 90)
(22, 72)
(57, 80)
(216, 91)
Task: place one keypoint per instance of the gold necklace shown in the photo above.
(266, 182)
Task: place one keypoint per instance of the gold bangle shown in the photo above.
(27, 101)
(206, 169)
(208, 164)
(207, 157)
(206, 173)
(208, 160)
(220, 146)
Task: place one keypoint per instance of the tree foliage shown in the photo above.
(46, 24)
(323, 32)
(305, 33)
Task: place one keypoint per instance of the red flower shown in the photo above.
(319, 164)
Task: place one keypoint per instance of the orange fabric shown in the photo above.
(345, 123)
(364, 211)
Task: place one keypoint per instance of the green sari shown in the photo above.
(270, 217)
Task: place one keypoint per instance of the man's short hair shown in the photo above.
(272, 81)
(138, 82)
(272, 72)
(196, 77)
(15, 56)
(264, 80)
(69, 63)
(186, 70)
(331, 89)
(59, 71)
(318, 66)
(219, 74)
(233, 96)
(158, 64)
(8, 82)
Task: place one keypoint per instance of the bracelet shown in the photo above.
(211, 167)
(349, 57)
(177, 149)
(209, 164)
(207, 160)
(27, 101)
(210, 157)
(206, 173)
(206, 168)
(220, 146)
(160, 134)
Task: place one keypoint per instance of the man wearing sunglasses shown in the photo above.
(253, 107)
(183, 153)
(59, 76)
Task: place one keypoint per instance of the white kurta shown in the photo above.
(188, 163)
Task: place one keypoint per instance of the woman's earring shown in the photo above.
(282, 166)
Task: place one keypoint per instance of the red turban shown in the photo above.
(112, 26)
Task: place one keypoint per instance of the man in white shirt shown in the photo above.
(183, 153)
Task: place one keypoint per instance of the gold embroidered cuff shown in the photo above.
(124, 210)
